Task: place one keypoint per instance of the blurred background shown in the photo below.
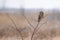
(27, 4)
(23, 15)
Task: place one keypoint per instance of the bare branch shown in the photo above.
(34, 31)
(15, 25)
(28, 21)
(40, 16)
(43, 23)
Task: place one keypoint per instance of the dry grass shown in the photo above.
(8, 31)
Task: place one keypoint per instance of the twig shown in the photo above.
(15, 25)
(40, 16)
(28, 21)
(34, 31)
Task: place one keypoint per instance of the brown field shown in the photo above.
(50, 30)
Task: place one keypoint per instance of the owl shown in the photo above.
(40, 16)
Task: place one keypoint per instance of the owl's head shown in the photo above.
(41, 14)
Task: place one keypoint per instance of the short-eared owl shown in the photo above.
(40, 16)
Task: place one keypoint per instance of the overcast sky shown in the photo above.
(48, 4)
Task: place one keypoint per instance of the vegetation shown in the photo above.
(38, 32)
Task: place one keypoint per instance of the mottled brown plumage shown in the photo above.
(40, 16)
